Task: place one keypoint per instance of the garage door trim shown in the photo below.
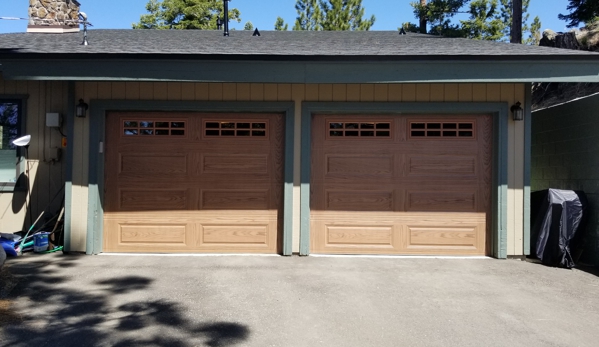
(97, 114)
(498, 110)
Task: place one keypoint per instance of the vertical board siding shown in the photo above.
(423, 92)
(451, 93)
(174, 91)
(188, 91)
(394, 92)
(229, 92)
(339, 92)
(271, 92)
(325, 92)
(465, 92)
(202, 91)
(479, 92)
(408, 93)
(311, 93)
(284, 92)
(507, 93)
(132, 91)
(381, 93)
(215, 92)
(299, 93)
(519, 137)
(366, 92)
(45, 172)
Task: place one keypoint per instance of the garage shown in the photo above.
(401, 184)
(193, 182)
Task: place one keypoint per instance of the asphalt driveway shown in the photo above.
(290, 301)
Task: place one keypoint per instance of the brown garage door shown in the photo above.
(401, 184)
(185, 182)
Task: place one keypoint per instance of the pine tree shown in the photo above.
(280, 24)
(309, 16)
(184, 14)
(331, 15)
(581, 11)
(483, 23)
(488, 20)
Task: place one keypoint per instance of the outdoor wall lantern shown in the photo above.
(517, 111)
(81, 108)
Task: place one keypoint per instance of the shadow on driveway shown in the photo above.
(50, 311)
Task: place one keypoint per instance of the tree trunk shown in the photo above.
(423, 19)
(516, 34)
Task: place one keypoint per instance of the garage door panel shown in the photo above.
(153, 199)
(144, 235)
(235, 234)
(229, 199)
(359, 200)
(435, 237)
(442, 166)
(158, 165)
(441, 201)
(239, 164)
(359, 165)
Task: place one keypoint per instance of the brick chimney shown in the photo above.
(53, 16)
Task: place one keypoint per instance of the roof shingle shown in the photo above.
(272, 43)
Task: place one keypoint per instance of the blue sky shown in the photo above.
(119, 14)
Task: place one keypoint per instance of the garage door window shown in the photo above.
(235, 129)
(359, 129)
(154, 128)
(442, 129)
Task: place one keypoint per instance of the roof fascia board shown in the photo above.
(449, 71)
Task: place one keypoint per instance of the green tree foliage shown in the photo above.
(581, 11)
(535, 32)
(534, 29)
(333, 15)
(439, 14)
(483, 23)
(280, 24)
(488, 19)
(309, 16)
(248, 26)
(184, 14)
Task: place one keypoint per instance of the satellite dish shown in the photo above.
(22, 141)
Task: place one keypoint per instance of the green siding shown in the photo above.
(565, 155)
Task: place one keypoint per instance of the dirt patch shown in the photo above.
(7, 284)
(7, 315)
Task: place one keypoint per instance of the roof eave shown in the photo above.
(269, 69)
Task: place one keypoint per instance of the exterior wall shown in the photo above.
(47, 176)
(298, 93)
(565, 155)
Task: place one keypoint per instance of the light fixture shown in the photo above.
(219, 23)
(517, 111)
(23, 142)
(81, 108)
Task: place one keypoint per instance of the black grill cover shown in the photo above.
(558, 218)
